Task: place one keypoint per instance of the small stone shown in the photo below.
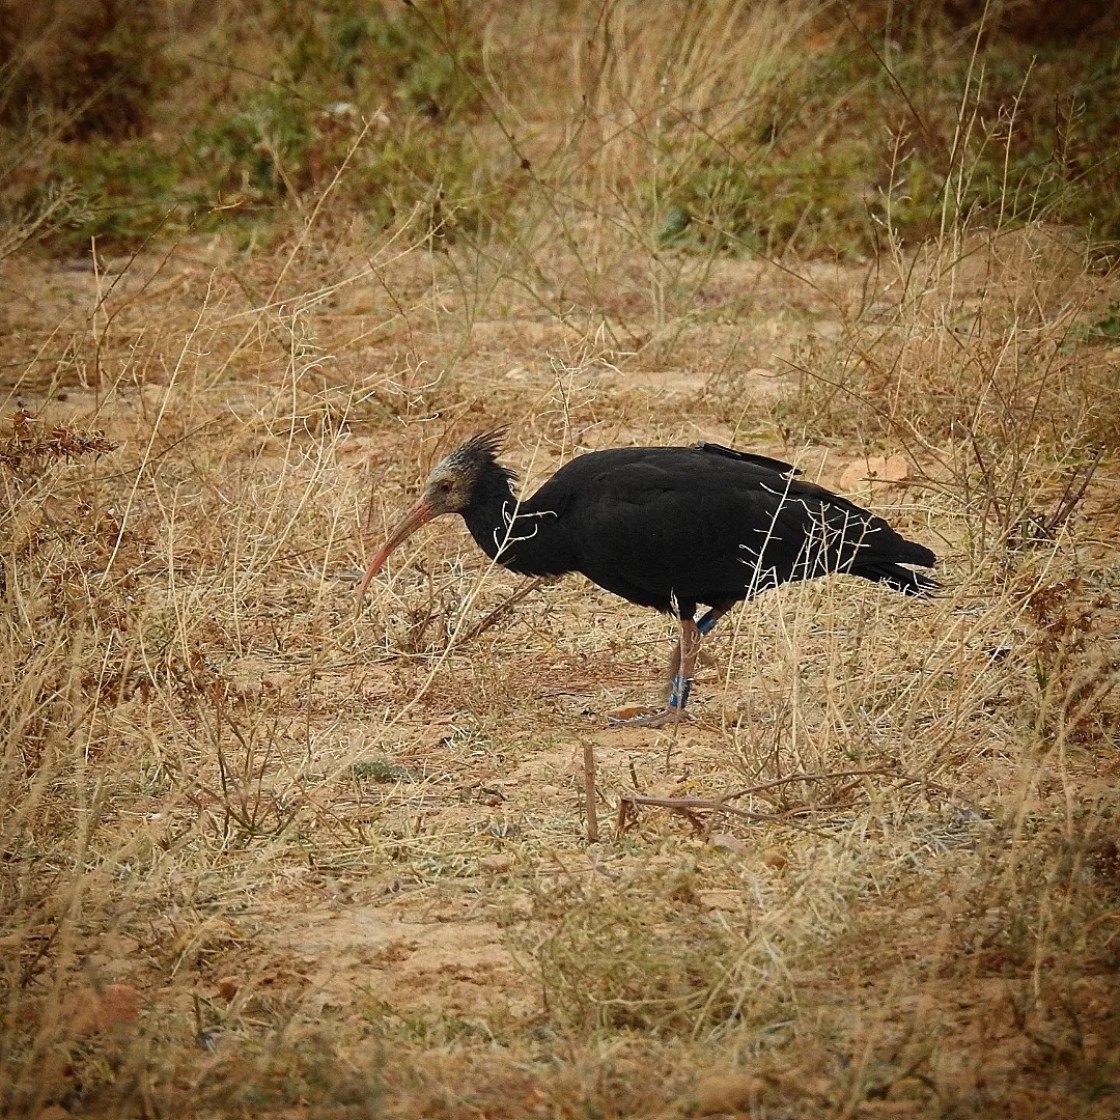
(624, 714)
(775, 858)
(728, 1092)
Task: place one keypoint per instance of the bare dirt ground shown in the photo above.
(265, 853)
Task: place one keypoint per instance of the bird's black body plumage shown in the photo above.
(674, 527)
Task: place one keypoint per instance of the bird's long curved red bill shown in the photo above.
(420, 514)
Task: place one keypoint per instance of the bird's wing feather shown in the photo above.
(747, 457)
(690, 524)
(648, 530)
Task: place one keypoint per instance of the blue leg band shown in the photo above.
(707, 624)
(682, 686)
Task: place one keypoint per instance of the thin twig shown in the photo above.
(505, 607)
(689, 806)
(589, 793)
(879, 772)
(1069, 500)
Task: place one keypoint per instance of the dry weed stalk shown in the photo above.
(26, 453)
(590, 794)
(840, 800)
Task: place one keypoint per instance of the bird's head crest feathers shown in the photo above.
(456, 479)
(482, 448)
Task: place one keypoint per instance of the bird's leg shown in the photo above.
(705, 626)
(682, 664)
(681, 667)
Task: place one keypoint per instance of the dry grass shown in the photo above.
(262, 854)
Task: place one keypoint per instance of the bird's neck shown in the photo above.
(505, 531)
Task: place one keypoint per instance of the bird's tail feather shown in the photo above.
(901, 579)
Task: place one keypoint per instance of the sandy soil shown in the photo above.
(336, 863)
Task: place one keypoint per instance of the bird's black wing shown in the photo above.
(679, 526)
(661, 525)
(747, 457)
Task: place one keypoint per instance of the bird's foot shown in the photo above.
(664, 717)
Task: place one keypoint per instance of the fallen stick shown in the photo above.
(689, 806)
(589, 793)
(506, 606)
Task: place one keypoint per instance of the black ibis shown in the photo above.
(665, 527)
